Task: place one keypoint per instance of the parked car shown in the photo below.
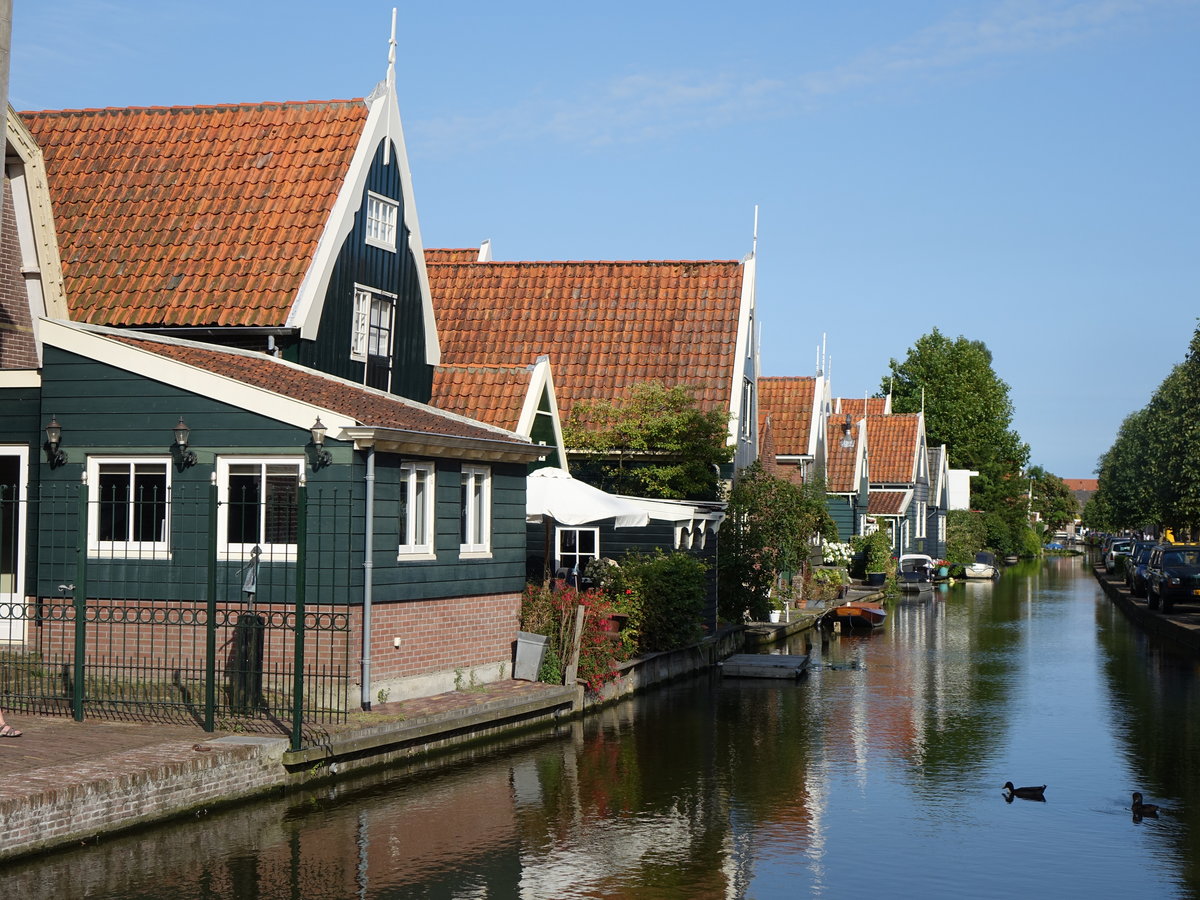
(1173, 573)
(1135, 567)
(1118, 547)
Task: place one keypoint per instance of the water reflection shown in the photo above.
(880, 771)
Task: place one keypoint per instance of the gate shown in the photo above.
(167, 627)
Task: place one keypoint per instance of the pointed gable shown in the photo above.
(492, 394)
(606, 326)
(894, 442)
(791, 404)
(193, 216)
(866, 406)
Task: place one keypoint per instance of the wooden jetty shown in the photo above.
(764, 665)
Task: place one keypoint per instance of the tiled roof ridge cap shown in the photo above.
(488, 367)
(584, 262)
(195, 107)
(127, 338)
(787, 377)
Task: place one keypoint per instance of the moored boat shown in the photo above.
(915, 572)
(983, 567)
(855, 614)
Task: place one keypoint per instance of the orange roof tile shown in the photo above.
(839, 460)
(892, 448)
(368, 407)
(886, 503)
(606, 326)
(875, 406)
(492, 394)
(193, 216)
(789, 403)
(1082, 484)
(454, 255)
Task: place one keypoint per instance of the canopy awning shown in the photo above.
(553, 493)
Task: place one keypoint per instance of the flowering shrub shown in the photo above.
(551, 611)
(836, 553)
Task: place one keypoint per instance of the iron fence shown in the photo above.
(131, 601)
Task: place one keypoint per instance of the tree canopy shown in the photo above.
(967, 408)
(1150, 476)
(1051, 499)
(656, 442)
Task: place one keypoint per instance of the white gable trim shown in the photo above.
(542, 381)
(383, 123)
(745, 356)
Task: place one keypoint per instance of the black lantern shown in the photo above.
(323, 456)
(847, 438)
(182, 435)
(54, 455)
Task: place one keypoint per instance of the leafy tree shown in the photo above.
(770, 523)
(967, 407)
(656, 442)
(966, 535)
(1052, 499)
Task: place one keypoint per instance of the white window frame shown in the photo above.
(577, 530)
(922, 514)
(408, 478)
(128, 549)
(360, 324)
(269, 552)
(476, 516)
(382, 219)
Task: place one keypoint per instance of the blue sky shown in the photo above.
(1021, 172)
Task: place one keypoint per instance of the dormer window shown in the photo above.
(381, 221)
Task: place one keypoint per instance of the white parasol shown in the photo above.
(553, 493)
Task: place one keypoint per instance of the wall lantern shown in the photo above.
(322, 456)
(182, 434)
(847, 439)
(54, 455)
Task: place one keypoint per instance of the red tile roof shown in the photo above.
(193, 216)
(492, 394)
(892, 448)
(875, 406)
(368, 407)
(454, 255)
(789, 403)
(886, 503)
(606, 326)
(1082, 484)
(839, 460)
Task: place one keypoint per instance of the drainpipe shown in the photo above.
(368, 579)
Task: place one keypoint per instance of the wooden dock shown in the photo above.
(764, 665)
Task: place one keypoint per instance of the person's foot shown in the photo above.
(9, 731)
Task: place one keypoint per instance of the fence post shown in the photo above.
(210, 637)
(79, 601)
(301, 587)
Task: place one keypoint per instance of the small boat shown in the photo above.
(855, 614)
(915, 572)
(983, 567)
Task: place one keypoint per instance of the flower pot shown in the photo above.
(775, 615)
(876, 579)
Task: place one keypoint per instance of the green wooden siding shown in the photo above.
(543, 432)
(110, 412)
(844, 512)
(385, 270)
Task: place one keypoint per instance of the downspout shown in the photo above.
(368, 579)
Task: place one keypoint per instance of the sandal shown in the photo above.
(9, 731)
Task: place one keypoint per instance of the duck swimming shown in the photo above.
(1141, 809)
(1029, 793)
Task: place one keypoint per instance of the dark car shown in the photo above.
(1135, 567)
(1173, 573)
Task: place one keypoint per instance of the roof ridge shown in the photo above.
(581, 262)
(92, 110)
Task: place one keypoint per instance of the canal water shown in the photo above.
(878, 774)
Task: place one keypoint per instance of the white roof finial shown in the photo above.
(391, 87)
(754, 242)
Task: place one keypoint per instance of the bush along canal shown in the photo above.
(880, 771)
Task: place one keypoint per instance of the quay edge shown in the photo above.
(1180, 628)
(59, 806)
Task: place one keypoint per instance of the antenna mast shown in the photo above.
(391, 89)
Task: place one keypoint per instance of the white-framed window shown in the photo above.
(575, 548)
(258, 499)
(416, 512)
(129, 507)
(922, 513)
(747, 428)
(382, 213)
(360, 324)
(371, 327)
(476, 511)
